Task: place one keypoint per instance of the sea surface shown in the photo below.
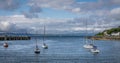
(60, 50)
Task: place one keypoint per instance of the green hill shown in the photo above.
(109, 31)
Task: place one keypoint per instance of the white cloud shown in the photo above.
(95, 10)
(9, 4)
(77, 10)
(36, 5)
(17, 16)
(6, 26)
(115, 11)
(54, 26)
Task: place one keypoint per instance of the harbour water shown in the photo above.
(60, 50)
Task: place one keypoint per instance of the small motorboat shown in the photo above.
(5, 45)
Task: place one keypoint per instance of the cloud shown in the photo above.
(9, 5)
(101, 14)
(51, 3)
(37, 5)
(10, 26)
(19, 23)
(6, 26)
(76, 10)
(72, 5)
(115, 13)
(30, 14)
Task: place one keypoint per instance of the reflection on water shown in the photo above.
(61, 50)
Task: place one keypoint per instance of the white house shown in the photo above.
(106, 34)
(115, 34)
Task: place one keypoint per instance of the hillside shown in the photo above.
(109, 31)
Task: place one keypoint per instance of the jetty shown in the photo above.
(2, 38)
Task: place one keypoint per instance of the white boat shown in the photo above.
(37, 50)
(87, 45)
(44, 44)
(5, 44)
(95, 50)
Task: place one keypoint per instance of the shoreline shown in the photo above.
(104, 37)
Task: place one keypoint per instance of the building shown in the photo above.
(106, 34)
(115, 34)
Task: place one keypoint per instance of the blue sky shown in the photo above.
(59, 16)
(46, 12)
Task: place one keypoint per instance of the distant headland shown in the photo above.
(110, 34)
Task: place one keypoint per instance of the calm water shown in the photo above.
(61, 50)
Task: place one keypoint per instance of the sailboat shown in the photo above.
(37, 50)
(44, 44)
(5, 44)
(87, 45)
(94, 49)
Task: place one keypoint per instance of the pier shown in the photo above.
(2, 38)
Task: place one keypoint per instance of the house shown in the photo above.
(115, 34)
(106, 34)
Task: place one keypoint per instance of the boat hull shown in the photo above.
(45, 47)
(95, 50)
(88, 46)
(37, 51)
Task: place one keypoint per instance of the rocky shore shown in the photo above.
(105, 37)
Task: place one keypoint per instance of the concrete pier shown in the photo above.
(2, 38)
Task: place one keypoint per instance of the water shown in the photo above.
(60, 50)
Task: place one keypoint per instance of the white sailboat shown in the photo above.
(94, 49)
(44, 44)
(87, 45)
(5, 44)
(37, 50)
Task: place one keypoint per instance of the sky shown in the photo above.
(59, 16)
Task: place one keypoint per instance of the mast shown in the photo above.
(37, 50)
(93, 32)
(5, 37)
(86, 33)
(5, 44)
(44, 34)
(36, 42)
